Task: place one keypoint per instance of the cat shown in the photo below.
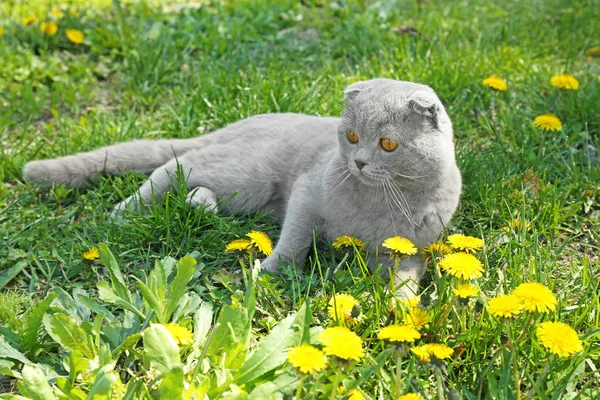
(385, 168)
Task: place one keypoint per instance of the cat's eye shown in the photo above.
(388, 144)
(352, 136)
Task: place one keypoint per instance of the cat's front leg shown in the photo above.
(301, 219)
(406, 274)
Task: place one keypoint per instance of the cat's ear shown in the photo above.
(424, 103)
(353, 90)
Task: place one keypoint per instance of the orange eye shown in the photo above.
(352, 136)
(388, 144)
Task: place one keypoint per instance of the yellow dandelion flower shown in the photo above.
(238, 245)
(411, 302)
(2, 31)
(400, 246)
(516, 224)
(32, 19)
(410, 396)
(307, 359)
(559, 338)
(344, 308)
(565, 81)
(462, 265)
(548, 122)
(436, 350)
(355, 394)
(340, 390)
(342, 343)
(399, 333)
(505, 306)
(261, 242)
(436, 250)
(92, 254)
(347, 242)
(49, 28)
(496, 83)
(75, 36)
(465, 243)
(417, 317)
(57, 13)
(535, 297)
(181, 335)
(464, 291)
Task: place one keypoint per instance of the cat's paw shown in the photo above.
(270, 264)
(130, 204)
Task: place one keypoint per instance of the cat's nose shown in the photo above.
(360, 164)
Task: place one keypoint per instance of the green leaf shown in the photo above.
(202, 323)
(118, 283)
(33, 322)
(77, 363)
(67, 332)
(172, 384)
(160, 349)
(7, 351)
(127, 344)
(154, 303)
(105, 380)
(185, 272)
(107, 294)
(6, 368)
(230, 337)
(36, 384)
(96, 307)
(11, 272)
(272, 351)
(190, 303)
(275, 389)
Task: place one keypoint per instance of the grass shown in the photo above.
(159, 69)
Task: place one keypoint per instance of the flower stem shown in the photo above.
(524, 331)
(336, 382)
(540, 379)
(513, 350)
(444, 315)
(440, 383)
(398, 374)
(299, 390)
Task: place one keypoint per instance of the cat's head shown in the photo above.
(394, 130)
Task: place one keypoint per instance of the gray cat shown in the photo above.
(386, 168)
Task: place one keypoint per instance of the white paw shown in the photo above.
(270, 264)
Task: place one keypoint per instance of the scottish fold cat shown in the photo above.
(385, 168)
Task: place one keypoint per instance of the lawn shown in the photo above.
(166, 312)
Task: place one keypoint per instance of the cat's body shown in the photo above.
(307, 170)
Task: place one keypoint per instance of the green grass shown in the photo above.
(152, 72)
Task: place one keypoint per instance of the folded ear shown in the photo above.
(353, 90)
(424, 103)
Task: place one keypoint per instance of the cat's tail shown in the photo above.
(75, 171)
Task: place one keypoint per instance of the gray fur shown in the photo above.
(303, 169)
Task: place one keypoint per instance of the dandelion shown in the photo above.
(307, 359)
(548, 122)
(436, 250)
(355, 394)
(412, 301)
(399, 334)
(465, 243)
(342, 343)
(559, 338)
(535, 297)
(505, 306)
(181, 335)
(261, 242)
(462, 265)
(410, 396)
(92, 254)
(2, 31)
(49, 28)
(347, 242)
(57, 13)
(399, 246)
(432, 350)
(496, 83)
(32, 19)
(417, 317)
(464, 291)
(345, 308)
(565, 81)
(516, 224)
(75, 36)
(238, 245)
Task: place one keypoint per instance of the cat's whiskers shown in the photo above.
(388, 207)
(410, 177)
(400, 201)
(343, 180)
